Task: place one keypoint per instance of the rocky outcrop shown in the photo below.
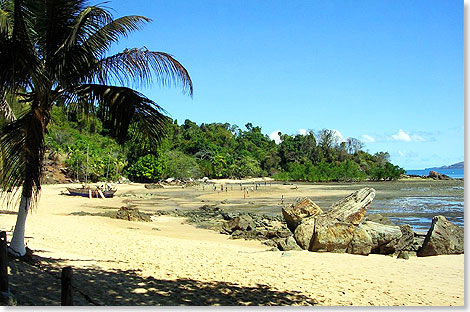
(437, 176)
(335, 228)
(241, 223)
(131, 214)
(303, 208)
(443, 238)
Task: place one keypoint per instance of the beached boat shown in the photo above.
(87, 191)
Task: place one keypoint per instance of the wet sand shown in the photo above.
(169, 262)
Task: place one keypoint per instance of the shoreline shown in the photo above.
(169, 262)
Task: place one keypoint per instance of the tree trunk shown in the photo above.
(17, 241)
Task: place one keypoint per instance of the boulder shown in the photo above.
(361, 243)
(443, 238)
(303, 208)
(335, 228)
(403, 255)
(384, 237)
(304, 233)
(288, 243)
(405, 243)
(378, 218)
(241, 223)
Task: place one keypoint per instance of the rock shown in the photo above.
(437, 176)
(288, 243)
(335, 228)
(131, 214)
(384, 237)
(303, 208)
(405, 243)
(304, 233)
(443, 238)
(378, 218)
(361, 243)
(241, 223)
(153, 186)
(403, 255)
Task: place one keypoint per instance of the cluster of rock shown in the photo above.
(438, 176)
(343, 228)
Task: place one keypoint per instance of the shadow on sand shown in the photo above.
(40, 285)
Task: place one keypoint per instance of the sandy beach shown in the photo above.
(169, 262)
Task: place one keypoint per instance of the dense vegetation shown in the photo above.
(214, 150)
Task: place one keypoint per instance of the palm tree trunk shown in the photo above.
(17, 241)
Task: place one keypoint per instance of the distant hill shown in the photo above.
(458, 165)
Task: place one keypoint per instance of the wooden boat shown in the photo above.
(95, 192)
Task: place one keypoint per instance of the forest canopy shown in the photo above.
(214, 150)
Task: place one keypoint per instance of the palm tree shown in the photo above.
(55, 51)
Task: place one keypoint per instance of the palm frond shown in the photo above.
(21, 152)
(118, 107)
(140, 66)
(101, 40)
(6, 22)
(5, 110)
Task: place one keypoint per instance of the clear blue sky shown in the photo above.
(390, 73)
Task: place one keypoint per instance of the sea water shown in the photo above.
(417, 203)
(453, 173)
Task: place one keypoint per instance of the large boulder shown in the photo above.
(361, 243)
(405, 243)
(443, 238)
(373, 237)
(303, 208)
(384, 237)
(305, 232)
(335, 228)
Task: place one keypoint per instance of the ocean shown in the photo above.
(453, 173)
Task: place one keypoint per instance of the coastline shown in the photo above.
(169, 262)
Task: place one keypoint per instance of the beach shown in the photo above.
(170, 262)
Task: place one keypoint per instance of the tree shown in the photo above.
(55, 51)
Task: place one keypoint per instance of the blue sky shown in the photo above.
(390, 73)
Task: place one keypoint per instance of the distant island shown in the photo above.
(458, 165)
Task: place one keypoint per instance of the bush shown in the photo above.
(147, 168)
(181, 166)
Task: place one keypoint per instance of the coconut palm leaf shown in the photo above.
(22, 141)
(139, 66)
(118, 107)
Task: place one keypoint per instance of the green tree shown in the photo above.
(55, 52)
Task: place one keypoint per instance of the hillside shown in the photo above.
(459, 165)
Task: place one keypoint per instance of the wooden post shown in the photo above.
(3, 262)
(66, 292)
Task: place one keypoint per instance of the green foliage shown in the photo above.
(148, 168)
(215, 150)
(181, 166)
(105, 159)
